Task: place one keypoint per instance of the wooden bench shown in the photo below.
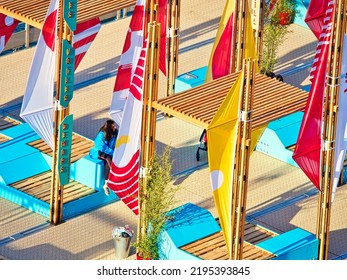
(213, 247)
(6, 122)
(80, 147)
(39, 186)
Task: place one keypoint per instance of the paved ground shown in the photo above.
(279, 195)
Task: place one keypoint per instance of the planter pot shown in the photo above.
(284, 18)
(140, 258)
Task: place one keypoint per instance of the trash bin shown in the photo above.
(121, 239)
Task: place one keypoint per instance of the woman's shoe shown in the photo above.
(106, 189)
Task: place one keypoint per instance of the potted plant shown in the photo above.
(279, 13)
(156, 199)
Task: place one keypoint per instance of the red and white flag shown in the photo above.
(315, 15)
(7, 27)
(83, 37)
(124, 174)
(37, 105)
(128, 61)
(307, 153)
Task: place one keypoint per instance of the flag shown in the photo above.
(222, 50)
(315, 15)
(130, 55)
(37, 105)
(341, 125)
(162, 15)
(7, 27)
(222, 136)
(307, 152)
(83, 37)
(124, 174)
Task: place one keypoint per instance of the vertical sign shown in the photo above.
(70, 13)
(255, 12)
(64, 151)
(67, 73)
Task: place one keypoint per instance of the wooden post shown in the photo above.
(60, 113)
(258, 27)
(173, 22)
(242, 159)
(329, 129)
(150, 93)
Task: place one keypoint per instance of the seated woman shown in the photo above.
(104, 145)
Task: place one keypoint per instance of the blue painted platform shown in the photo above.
(20, 161)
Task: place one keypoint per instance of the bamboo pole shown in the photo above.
(60, 112)
(329, 129)
(55, 186)
(173, 22)
(243, 155)
(150, 93)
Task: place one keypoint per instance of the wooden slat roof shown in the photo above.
(33, 12)
(272, 99)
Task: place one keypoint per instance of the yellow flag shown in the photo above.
(222, 135)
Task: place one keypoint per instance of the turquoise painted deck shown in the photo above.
(296, 244)
(20, 161)
(189, 223)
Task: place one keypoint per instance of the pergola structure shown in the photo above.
(272, 100)
(34, 12)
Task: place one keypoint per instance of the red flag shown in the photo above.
(83, 37)
(307, 153)
(162, 15)
(221, 55)
(7, 27)
(316, 13)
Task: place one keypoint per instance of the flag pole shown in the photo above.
(173, 22)
(242, 159)
(329, 130)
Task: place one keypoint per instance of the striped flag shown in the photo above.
(83, 37)
(130, 55)
(315, 15)
(37, 105)
(124, 174)
(307, 153)
(7, 27)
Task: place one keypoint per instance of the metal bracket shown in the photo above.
(173, 32)
(245, 115)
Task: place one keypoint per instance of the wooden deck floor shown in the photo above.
(6, 122)
(80, 147)
(39, 186)
(213, 247)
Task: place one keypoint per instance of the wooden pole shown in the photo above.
(150, 93)
(60, 113)
(243, 154)
(240, 11)
(56, 190)
(173, 22)
(329, 130)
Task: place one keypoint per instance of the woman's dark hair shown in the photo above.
(107, 129)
